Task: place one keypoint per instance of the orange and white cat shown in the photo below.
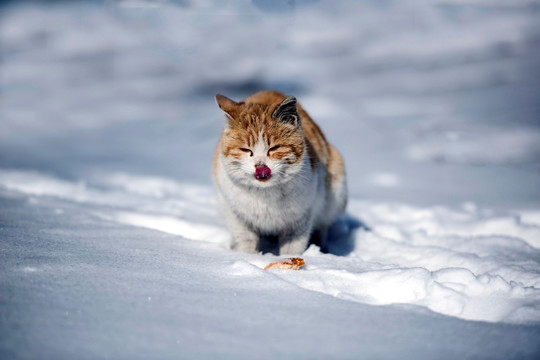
(277, 176)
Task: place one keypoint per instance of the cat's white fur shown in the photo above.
(287, 206)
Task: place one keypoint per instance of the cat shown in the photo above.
(277, 176)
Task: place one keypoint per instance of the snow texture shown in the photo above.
(111, 242)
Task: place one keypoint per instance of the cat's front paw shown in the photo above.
(246, 246)
(294, 246)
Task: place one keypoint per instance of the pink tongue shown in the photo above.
(262, 173)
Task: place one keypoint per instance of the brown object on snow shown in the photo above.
(287, 264)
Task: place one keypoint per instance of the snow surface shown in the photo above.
(111, 243)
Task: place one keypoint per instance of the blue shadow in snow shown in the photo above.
(341, 235)
(340, 240)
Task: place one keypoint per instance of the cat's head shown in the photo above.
(263, 145)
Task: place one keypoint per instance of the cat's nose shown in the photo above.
(262, 173)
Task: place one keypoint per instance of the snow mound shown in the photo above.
(470, 263)
(451, 291)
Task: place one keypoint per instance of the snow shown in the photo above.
(111, 242)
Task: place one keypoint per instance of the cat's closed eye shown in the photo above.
(273, 148)
(247, 151)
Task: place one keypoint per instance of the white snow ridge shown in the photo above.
(464, 263)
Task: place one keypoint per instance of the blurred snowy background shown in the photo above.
(111, 243)
(430, 102)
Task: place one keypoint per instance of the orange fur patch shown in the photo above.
(247, 122)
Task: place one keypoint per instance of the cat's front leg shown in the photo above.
(296, 242)
(246, 241)
(244, 238)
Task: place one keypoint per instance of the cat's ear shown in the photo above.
(287, 112)
(228, 106)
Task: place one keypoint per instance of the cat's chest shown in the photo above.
(272, 209)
